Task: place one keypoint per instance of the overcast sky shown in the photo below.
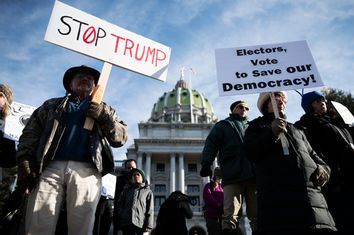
(193, 29)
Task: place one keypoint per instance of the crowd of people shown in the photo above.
(64, 172)
(286, 178)
(297, 177)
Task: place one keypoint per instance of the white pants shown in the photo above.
(77, 183)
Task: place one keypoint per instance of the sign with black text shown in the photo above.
(266, 68)
(14, 123)
(76, 30)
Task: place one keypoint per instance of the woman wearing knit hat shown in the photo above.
(136, 206)
(335, 144)
(289, 197)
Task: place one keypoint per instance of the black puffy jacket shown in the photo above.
(287, 198)
(172, 215)
(335, 145)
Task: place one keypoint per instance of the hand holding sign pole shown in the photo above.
(99, 91)
(276, 114)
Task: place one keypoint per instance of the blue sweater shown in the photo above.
(74, 144)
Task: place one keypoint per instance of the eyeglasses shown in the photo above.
(243, 107)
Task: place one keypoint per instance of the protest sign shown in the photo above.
(76, 30)
(344, 112)
(14, 124)
(108, 185)
(263, 68)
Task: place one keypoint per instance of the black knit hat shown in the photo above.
(308, 98)
(70, 73)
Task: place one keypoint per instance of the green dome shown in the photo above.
(183, 105)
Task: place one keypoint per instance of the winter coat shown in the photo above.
(122, 181)
(286, 197)
(41, 136)
(136, 206)
(7, 152)
(213, 198)
(172, 215)
(334, 144)
(226, 139)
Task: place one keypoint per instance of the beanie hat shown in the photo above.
(235, 104)
(265, 96)
(141, 172)
(70, 73)
(308, 98)
(6, 90)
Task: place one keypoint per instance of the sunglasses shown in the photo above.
(243, 107)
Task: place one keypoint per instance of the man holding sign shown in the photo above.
(59, 160)
(289, 197)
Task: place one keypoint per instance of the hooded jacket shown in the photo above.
(42, 134)
(136, 206)
(172, 215)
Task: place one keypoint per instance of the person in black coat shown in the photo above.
(7, 158)
(334, 143)
(289, 197)
(7, 146)
(172, 215)
(121, 182)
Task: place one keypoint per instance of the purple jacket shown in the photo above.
(213, 200)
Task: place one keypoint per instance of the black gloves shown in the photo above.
(320, 176)
(278, 126)
(206, 171)
(95, 110)
(24, 169)
(26, 176)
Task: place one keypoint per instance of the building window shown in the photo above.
(160, 188)
(160, 167)
(194, 188)
(192, 167)
(195, 201)
(158, 202)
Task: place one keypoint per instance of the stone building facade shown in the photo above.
(170, 144)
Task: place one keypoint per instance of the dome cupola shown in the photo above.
(183, 104)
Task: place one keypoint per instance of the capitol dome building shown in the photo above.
(170, 144)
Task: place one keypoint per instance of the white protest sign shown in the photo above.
(76, 30)
(344, 112)
(108, 185)
(266, 68)
(14, 124)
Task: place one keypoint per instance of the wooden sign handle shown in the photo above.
(276, 114)
(99, 92)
